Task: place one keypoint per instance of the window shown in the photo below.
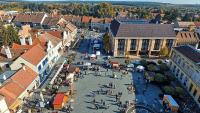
(179, 61)
(195, 92)
(177, 73)
(183, 65)
(121, 43)
(174, 68)
(169, 43)
(39, 67)
(191, 86)
(157, 44)
(133, 44)
(199, 99)
(145, 44)
(181, 77)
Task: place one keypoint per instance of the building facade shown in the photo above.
(136, 40)
(185, 64)
(188, 38)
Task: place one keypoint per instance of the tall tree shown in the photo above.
(9, 35)
(106, 43)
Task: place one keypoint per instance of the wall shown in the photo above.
(17, 64)
(3, 105)
(185, 73)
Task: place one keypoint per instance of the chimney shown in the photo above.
(23, 66)
(8, 53)
(30, 41)
(22, 41)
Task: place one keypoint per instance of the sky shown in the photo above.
(163, 1)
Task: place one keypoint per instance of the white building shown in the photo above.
(185, 64)
(16, 88)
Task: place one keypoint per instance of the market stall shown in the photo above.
(171, 103)
(59, 101)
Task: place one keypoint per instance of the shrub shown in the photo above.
(1, 70)
(169, 90)
(143, 62)
(160, 62)
(179, 91)
(151, 67)
(163, 67)
(171, 78)
(160, 78)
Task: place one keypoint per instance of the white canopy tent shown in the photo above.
(93, 56)
(140, 68)
(130, 65)
(98, 53)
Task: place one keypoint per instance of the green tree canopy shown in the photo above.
(106, 42)
(164, 52)
(169, 90)
(160, 78)
(9, 35)
(179, 91)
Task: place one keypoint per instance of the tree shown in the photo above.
(164, 52)
(160, 78)
(160, 62)
(9, 35)
(163, 67)
(179, 91)
(151, 68)
(1, 70)
(169, 90)
(106, 42)
(143, 62)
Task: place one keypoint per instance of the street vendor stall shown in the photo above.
(73, 69)
(171, 103)
(93, 57)
(140, 68)
(114, 64)
(59, 101)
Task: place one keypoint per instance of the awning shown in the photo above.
(130, 65)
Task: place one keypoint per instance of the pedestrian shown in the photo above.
(116, 97)
(107, 69)
(121, 76)
(94, 101)
(104, 103)
(101, 101)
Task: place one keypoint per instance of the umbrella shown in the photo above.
(140, 67)
(93, 55)
(130, 65)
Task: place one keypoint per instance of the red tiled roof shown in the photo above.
(57, 34)
(197, 24)
(27, 73)
(86, 19)
(34, 55)
(30, 17)
(97, 20)
(17, 84)
(51, 21)
(15, 54)
(58, 99)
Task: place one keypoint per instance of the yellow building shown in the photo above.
(185, 64)
(140, 39)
